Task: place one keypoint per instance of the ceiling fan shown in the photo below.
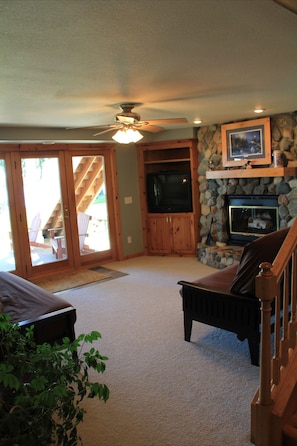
(127, 122)
(291, 5)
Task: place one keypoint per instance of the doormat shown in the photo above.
(67, 281)
(109, 273)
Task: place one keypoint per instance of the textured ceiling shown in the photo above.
(67, 63)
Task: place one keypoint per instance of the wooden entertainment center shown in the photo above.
(169, 233)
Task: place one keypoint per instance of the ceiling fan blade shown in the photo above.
(151, 128)
(103, 126)
(125, 119)
(288, 4)
(107, 130)
(168, 121)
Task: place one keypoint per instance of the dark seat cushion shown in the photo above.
(220, 281)
(264, 249)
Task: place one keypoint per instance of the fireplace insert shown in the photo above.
(250, 217)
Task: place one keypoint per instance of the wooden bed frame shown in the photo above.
(226, 299)
(53, 327)
(28, 304)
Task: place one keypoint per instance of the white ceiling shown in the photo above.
(67, 63)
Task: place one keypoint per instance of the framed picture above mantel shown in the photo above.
(246, 142)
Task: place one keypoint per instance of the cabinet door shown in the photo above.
(159, 234)
(183, 234)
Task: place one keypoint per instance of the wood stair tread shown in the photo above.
(290, 431)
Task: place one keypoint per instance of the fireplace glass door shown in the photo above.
(251, 217)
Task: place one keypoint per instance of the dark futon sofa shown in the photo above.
(226, 299)
(28, 304)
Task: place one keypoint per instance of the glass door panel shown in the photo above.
(44, 210)
(7, 258)
(91, 204)
(57, 209)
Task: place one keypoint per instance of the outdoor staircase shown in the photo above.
(88, 182)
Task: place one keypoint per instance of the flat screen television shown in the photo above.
(169, 192)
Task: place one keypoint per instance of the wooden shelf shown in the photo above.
(175, 160)
(252, 173)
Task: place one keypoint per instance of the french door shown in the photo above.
(56, 210)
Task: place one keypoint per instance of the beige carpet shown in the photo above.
(67, 281)
(163, 391)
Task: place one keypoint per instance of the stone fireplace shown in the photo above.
(218, 248)
(214, 247)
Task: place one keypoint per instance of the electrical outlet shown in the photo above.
(129, 239)
(128, 200)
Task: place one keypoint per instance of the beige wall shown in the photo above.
(129, 199)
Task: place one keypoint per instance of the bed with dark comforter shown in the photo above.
(27, 304)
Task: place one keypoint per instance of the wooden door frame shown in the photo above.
(13, 154)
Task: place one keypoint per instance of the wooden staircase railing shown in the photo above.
(274, 407)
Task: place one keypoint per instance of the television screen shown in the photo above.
(169, 192)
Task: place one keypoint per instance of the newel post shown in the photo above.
(265, 292)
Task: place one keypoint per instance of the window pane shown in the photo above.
(41, 178)
(91, 204)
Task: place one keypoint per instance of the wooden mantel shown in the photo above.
(252, 173)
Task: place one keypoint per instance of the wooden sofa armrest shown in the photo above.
(53, 327)
(212, 291)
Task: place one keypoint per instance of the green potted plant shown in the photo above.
(42, 386)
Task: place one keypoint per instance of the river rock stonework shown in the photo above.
(213, 192)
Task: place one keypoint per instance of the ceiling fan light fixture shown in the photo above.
(126, 136)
